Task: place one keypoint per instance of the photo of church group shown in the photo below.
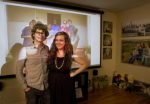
(134, 29)
(136, 52)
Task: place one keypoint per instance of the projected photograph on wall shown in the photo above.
(18, 20)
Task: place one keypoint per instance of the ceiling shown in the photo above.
(111, 5)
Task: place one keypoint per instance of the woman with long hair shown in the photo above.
(62, 89)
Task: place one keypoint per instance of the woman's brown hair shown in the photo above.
(68, 49)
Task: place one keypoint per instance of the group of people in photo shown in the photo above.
(45, 71)
(66, 26)
(134, 29)
(141, 54)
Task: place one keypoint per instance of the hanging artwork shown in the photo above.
(135, 29)
(107, 27)
(107, 53)
(107, 40)
(136, 52)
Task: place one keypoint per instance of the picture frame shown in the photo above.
(107, 53)
(136, 52)
(135, 29)
(107, 27)
(107, 40)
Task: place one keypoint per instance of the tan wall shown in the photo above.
(109, 65)
(137, 15)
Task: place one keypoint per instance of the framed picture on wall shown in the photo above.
(107, 27)
(107, 53)
(136, 52)
(133, 29)
(107, 40)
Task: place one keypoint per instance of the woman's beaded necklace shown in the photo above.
(59, 67)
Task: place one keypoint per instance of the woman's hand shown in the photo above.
(27, 89)
(72, 74)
